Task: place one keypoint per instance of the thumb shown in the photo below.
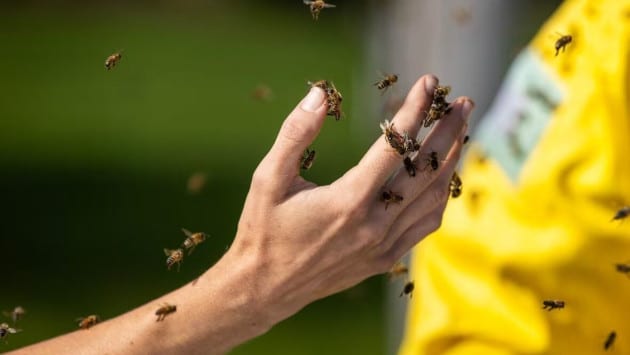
(297, 132)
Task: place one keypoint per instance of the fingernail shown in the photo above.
(467, 108)
(313, 100)
(430, 83)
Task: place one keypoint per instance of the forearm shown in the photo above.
(214, 313)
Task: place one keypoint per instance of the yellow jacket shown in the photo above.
(545, 173)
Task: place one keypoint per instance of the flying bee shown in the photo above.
(623, 268)
(410, 166)
(552, 304)
(622, 213)
(112, 60)
(175, 256)
(610, 339)
(262, 92)
(388, 196)
(387, 81)
(407, 289)
(562, 42)
(192, 240)
(399, 269)
(16, 314)
(89, 321)
(307, 159)
(5, 330)
(466, 138)
(164, 310)
(392, 137)
(455, 185)
(317, 6)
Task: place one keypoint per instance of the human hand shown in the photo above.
(307, 241)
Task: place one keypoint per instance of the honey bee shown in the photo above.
(407, 289)
(317, 6)
(466, 138)
(388, 196)
(262, 92)
(5, 330)
(89, 321)
(410, 166)
(441, 92)
(562, 42)
(432, 161)
(16, 314)
(164, 310)
(455, 185)
(610, 339)
(175, 256)
(392, 137)
(439, 106)
(112, 60)
(622, 213)
(552, 304)
(192, 240)
(196, 182)
(307, 159)
(399, 269)
(333, 97)
(387, 81)
(410, 144)
(623, 268)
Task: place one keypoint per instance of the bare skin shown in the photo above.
(296, 242)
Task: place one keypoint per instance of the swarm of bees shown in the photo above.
(562, 43)
(552, 304)
(164, 310)
(89, 321)
(112, 60)
(307, 159)
(389, 196)
(439, 106)
(333, 97)
(317, 6)
(387, 81)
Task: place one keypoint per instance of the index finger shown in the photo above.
(381, 160)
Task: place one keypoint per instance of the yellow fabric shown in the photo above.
(539, 228)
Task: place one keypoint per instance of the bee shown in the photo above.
(165, 310)
(407, 289)
(455, 185)
(562, 42)
(192, 240)
(5, 330)
(610, 339)
(623, 268)
(89, 321)
(441, 92)
(387, 81)
(307, 159)
(466, 138)
(622, 213)
(552, 304)
(410, 166)
(16, 314)
(432, 161)
(439, 106)
(317, 6)
(262, 92)
(392, 137)
(388, 196)
(196, 182)
(410, 144)
(399, 269)
(112, 60)
(175, 256)
(333, 97)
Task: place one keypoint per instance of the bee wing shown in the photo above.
(168, 252)
(13, 331)
(328, 6)
(307, 2)
(187, 232)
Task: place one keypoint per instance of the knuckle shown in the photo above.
(439, 195)
(294, 132)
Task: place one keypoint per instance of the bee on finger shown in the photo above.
(174, 256)
(410, 144)
(89, 321)
(192, 240)
(386, 82)
(112, 60)
(610, 340)
(455, 185)
(408, 289)
(5, 330)
(333, 97)
(623, 213)
(552, 304)
(410, 166)
(307, 159)
(399, 269)
(392, 137)
(562, 42)
(388, 196)
(432, 161)
(164, 310)
(16, 314)
(317, 6)
(439, 106)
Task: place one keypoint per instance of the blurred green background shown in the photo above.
(94, 163)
